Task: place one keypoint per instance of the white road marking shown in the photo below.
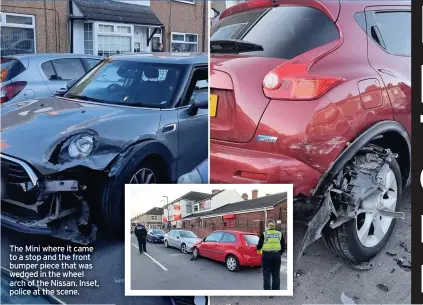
(152, 258)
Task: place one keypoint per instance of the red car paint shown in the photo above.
(375, 86)
(245, 253)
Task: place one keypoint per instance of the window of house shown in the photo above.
(189, 208)
(196, 207)
(17, 34)
(112, 39)
(154, 217)
(185, 1)
(88, 38)
(182, 42)
(156, 39)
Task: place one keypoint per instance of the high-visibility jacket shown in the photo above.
(272, 241)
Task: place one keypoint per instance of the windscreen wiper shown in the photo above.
(233, 46)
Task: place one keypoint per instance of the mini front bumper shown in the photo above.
(228, 164)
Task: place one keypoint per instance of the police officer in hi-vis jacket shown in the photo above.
(271, 244)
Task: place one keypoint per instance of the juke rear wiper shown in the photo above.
(233, 46)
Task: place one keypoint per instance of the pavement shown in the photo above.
(325, 277)
(169, 269)
(108, 261)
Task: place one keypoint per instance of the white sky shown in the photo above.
(139, 198)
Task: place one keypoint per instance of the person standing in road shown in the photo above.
(272, 246)
(141, 234)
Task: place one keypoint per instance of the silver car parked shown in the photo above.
(34, 76)
(181, 239)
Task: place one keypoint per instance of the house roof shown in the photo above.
(195, 196)
(252, 204)
(114, 11)
(154, 211)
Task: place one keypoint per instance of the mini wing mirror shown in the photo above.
(201, 101)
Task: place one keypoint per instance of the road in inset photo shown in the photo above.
(208, 238)
(168, 268)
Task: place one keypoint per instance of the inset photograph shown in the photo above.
(197, 239)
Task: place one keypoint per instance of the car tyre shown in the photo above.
(196, 252)
(345, 240)
(184, 248)
(112, 203)
(232, 263)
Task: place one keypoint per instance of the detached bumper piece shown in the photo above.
(33, 205)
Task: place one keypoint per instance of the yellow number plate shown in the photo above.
(213, 105)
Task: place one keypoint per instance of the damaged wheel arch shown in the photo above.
(151, 155)
(387, 135)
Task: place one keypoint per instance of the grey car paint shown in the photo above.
(33, 133)
(38, 84)
(176, 240)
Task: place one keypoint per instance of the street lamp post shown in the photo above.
(167, 207)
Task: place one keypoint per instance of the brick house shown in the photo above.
(104, 28)
(248, 215)
(110, 27)
(152, 219)
(193, 203)
(34, 26)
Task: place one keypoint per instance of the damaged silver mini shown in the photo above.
(131, 119)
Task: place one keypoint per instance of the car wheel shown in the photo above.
(184, 248)
(232, 263)
(112, 205)
(166, 244)
(364, 236)
(196, 252)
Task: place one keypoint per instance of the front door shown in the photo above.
(139, 43)
(193, 129)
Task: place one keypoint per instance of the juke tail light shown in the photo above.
(292, 81)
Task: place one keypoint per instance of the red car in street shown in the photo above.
(317, 94)
(234, 248)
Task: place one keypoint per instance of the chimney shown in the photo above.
(254, 194)
(245, 196)
(215, 191)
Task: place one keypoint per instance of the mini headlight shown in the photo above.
(81, 147)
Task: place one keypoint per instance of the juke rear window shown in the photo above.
(283, 32)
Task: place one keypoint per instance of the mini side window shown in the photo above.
(199, 83)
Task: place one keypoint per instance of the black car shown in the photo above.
(131, 119)
(156, 236)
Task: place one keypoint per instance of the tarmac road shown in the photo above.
(170, 269)
(325, 277)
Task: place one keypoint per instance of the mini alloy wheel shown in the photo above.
(184, 248)
(143, 176)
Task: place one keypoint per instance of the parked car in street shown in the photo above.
(34, 76)
(155, 236)
(130, 120)
(199, 175)
(327, 109)
(181, 239)
(234, 248)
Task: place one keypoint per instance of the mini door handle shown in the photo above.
(169, 128)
